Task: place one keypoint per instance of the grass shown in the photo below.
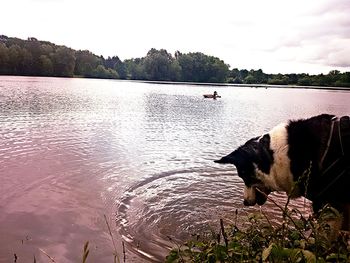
(86, 250)
(296, 240)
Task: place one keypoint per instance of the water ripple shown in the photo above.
(168, 208)
(177, 204)
(71, 149)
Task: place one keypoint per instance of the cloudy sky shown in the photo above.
(278, 36)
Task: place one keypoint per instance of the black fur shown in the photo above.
(266, 154)
(307, 140)
(253, 152)
(329, 180)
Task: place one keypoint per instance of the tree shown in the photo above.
(186, 63)
(175, 70)
(218, 70)
(102, 72)
(46, 49)
(85, 63)
(135, 69)
(42, 58)
(243, 73)
(33, 47)
(159, 65)
(116, 64)
(344, 80)
(63, 62)
(259, 76)
(333, 76)
(305, 80)
(292, 78)
(234, 77)
(249, 79)
(14, 59)
(4, 59)
(45, 66)
(25, 62)
(198, 67)
(278, 79)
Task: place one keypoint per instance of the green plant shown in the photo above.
(297, 239)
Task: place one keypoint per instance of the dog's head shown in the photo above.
(253, 161)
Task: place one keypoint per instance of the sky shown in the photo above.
(277, 36)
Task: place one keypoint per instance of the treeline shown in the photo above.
(333, 79)
(41, 58)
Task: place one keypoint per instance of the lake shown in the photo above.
(74, 150)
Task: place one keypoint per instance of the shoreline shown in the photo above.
(198, 83)
(243, 85)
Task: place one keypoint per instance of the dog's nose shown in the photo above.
(247, 202)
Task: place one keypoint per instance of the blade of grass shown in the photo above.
(223, 232)
(42, 251)
(114, 246)
(284, 213)
(86, 251)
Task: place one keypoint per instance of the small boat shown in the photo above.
(211, 96)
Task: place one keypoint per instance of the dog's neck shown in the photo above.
(307, 139)
(279, 177)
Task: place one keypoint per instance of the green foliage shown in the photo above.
(41, 58)
(333, 79)
(255, 77)
(116, 64)
(63, 62)
(85, 63)
(45, 65)
(198, 67)
(102, 72)
(4, 59)
(158, 65)
(296, 239)
(134, 69)
(278, 79)
(305, 81)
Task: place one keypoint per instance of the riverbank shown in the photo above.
(243, 85)
(209, 84)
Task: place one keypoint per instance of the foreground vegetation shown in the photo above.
(297, 239)
(32, 57)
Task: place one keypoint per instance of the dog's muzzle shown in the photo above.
(253, 196)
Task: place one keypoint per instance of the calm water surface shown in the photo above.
(72, 150)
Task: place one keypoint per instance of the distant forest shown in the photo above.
(32, 57)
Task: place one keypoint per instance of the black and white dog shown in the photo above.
(307, 157)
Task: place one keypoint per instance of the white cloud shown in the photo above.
(277, 36)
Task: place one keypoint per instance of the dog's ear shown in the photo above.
(231, 158)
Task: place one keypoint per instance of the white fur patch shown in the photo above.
(280, 177)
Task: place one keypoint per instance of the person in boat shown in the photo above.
(215, 95)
